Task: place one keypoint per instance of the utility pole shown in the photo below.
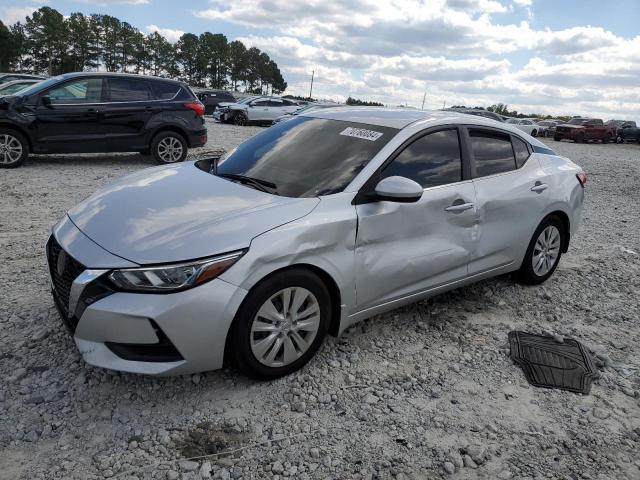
(444, 103)
(423, 99)
(311, 89)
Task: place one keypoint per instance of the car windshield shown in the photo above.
(10, 88)
(307, 157)
(577, 121)
(513, 121)
(247, 100)
(38, 87)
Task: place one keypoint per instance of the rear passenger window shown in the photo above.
(431, 160)
(166, 90)
(128, 90)
(492, 152)
(521, 150)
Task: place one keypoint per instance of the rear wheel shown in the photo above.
(281, 324)
(580, 138)
(556, 138)
(169, 147)
(543, 253)
(14, 148)
(534, 133)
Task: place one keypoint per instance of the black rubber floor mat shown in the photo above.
(549, 364)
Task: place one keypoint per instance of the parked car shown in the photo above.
(10, 88)
(582, 129)
(308, 108)
(527, 125)
(212, 98)
(257, 109)
(101, 112)
(259, 254)
(629, 132)
(478, 113)
(10, 77)
(549, 127)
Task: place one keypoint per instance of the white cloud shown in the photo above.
(11, 15)
(168, 33)
(523, 3)
(105, 3)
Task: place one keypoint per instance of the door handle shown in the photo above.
(539, 187)
(459, 207)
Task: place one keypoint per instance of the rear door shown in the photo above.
(259, 110)
(511, 193)
(66, 117)
(129, 106)
(407, 248)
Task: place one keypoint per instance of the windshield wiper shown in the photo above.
(262, 185)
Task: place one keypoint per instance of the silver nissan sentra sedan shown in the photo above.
(303, 230)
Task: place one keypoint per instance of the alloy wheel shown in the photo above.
(10, 149)
(546, 251)
(170, 149)
(285, 326)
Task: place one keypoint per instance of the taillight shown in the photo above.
(582, 178)
(196, 107)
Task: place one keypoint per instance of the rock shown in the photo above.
(196, 378)
(370, 399)
(18, 374)
(299, 407)
(449, 468)
(172, 475)
(314, 452)
(205, 470)
(188, 465)
(277, 468)
(34, 399)
(468, 462)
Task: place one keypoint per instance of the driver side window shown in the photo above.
(87, 90)
(431, 160)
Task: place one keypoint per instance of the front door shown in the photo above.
(511, 192)
(407, 248)
(259, 110)
(66, 117)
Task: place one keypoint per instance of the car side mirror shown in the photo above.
(398, 189)
(46, 101)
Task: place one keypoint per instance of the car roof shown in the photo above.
(120, 75)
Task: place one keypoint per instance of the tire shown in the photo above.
(279, 334)
(607, 139)
(556, 138)
(534, 133)
(545, 248)
(169, 147)
(240, 119)
(14, 148)
(580, 138)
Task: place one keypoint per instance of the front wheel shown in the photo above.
(534, 133)
(168, 147)
(556, 138)
(543, 253)
(240, 119)
(14, 149)
(281, 324)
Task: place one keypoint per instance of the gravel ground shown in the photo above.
(426, 391)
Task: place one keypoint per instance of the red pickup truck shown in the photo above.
(582, 129)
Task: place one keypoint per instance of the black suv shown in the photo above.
(211, 99)
(101, 112)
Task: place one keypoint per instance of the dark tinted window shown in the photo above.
(431, 160)
(128, 90)
(521, 150)
(276, 103)
(492, 152)
(307, 157)
(288, 103)
(164, 90)
(86, 90)
(261, 103)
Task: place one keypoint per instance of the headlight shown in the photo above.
(175, 277)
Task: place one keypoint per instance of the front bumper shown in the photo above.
(156, 334)
(221, 115)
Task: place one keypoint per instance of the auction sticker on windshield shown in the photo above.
(370, 135)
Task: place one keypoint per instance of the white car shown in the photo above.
(527, 125)
(254, 110)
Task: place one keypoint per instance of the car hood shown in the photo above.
(568, 125)
(179, 212)
(232, 105)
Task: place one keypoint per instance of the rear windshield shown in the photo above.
(307, 157)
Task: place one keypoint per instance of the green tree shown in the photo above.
(161, 56)
(187, 49)
(47, 40)
(7, 48)
(82, 43)
(236, 62)
(213, 51)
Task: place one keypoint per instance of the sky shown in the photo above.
(557, 57)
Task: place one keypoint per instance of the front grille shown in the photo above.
(64, 269)
(562, 129)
